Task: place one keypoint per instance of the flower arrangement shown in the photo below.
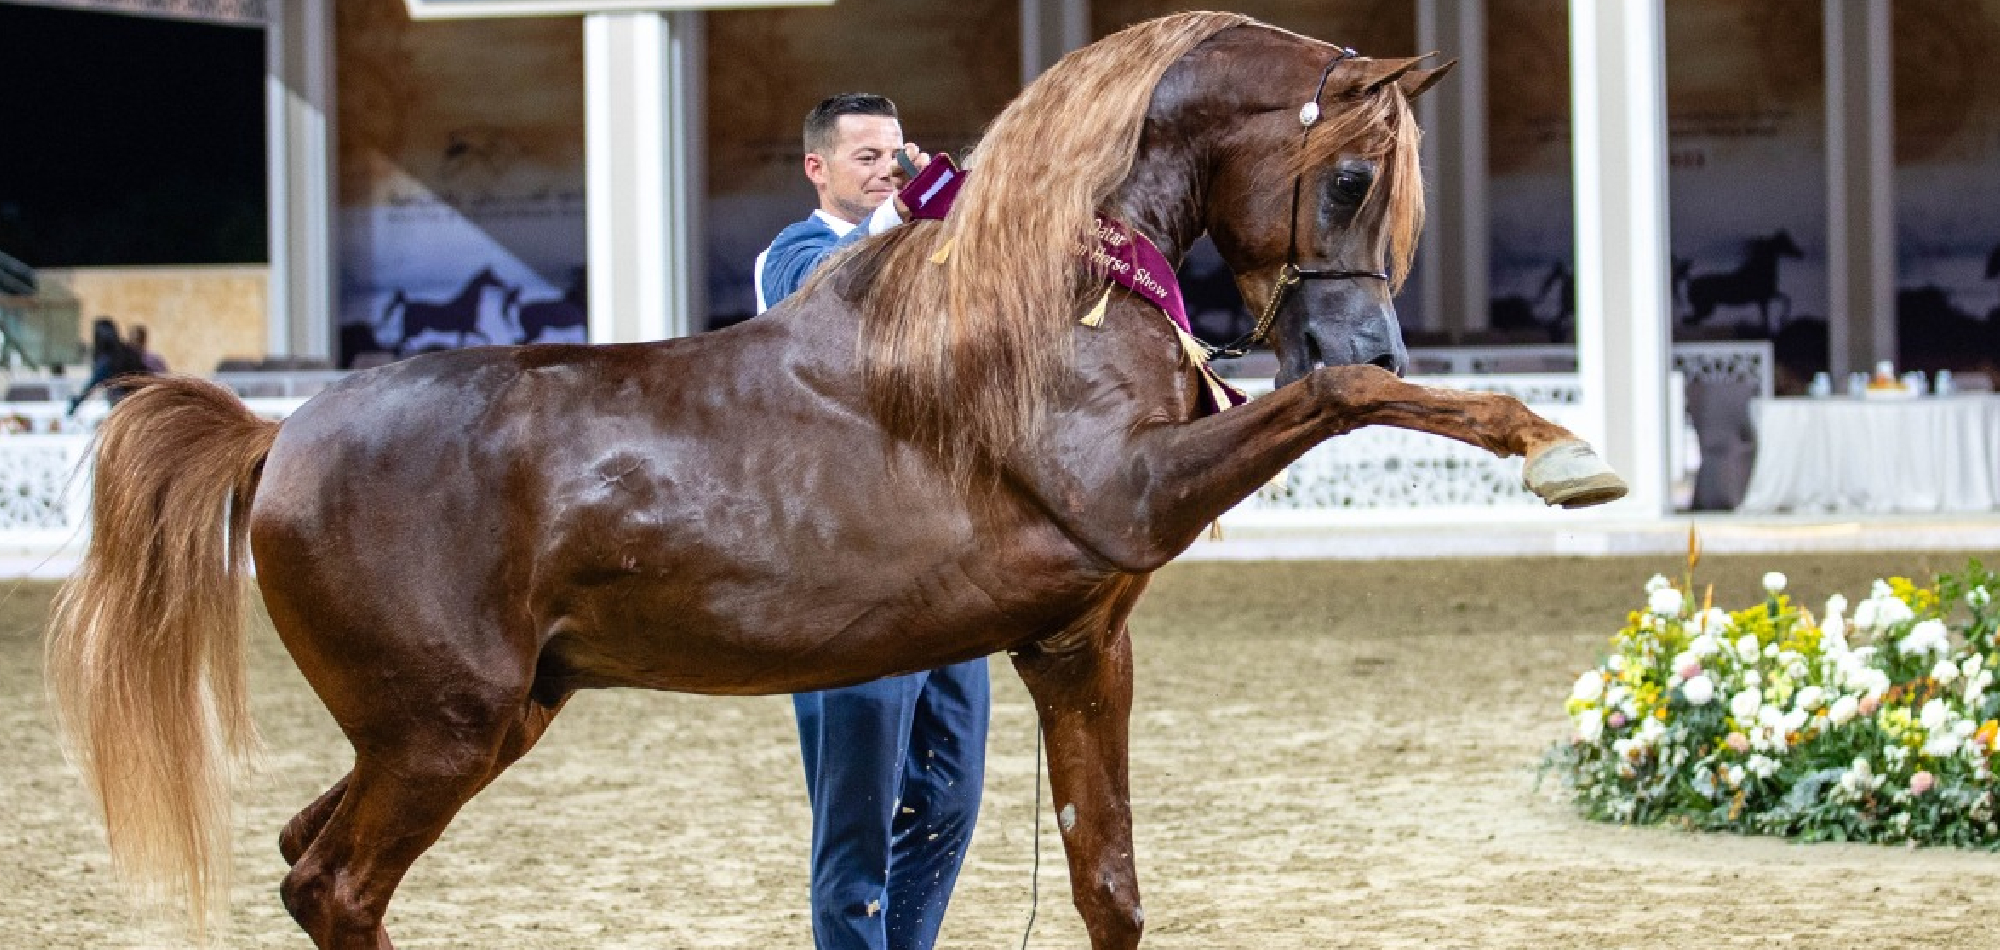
(1876, 726)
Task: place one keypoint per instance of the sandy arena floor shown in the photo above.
(1325, 755)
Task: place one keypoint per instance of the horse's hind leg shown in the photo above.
(407, 784)
(304, 827)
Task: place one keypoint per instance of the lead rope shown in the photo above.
(1035, 869)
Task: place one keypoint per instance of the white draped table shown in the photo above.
(1928, 454)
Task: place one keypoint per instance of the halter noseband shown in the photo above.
(1292, 274)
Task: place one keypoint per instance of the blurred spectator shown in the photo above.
(154, 364)
(111, 361)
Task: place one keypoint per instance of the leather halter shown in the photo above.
(1292, 274)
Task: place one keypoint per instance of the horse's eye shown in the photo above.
(1350, 186)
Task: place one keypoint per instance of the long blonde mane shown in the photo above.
(966, 323)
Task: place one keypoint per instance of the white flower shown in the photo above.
(1686, 664)
(1734, 774)
(1930, 636)
(1874, 683)
(1942, 744)
(1590, 724)
(1944, 672)
(1651, 730)
(1746, 646)
(1698, 690)
(1712, 620)
(1833, 635)
(1589, 687)
(1972, 665)
(1842, 710)
(1809, 698)
(1978, 597)
(1835, 606)
(1744, 705)
(1665, 602)
(1704, 646)
(1860, 778)
(1763, 766)
(1975, 686)
(1935, 715)
(1658, 582)
(1880, 589)
(1616, 696)
(1615, 663)
(1774, 582)
(1753, 678)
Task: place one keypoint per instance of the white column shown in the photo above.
(1453, 263)
(1618, 96)
(1050, 29)
(298, 109)
(642, 101)
(1860, 185)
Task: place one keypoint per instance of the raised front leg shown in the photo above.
(1138, 494)
(1083, 694)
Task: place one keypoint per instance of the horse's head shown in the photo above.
(1316, 199)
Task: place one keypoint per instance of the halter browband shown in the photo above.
(1292, 274)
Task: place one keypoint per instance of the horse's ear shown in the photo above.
(1405, 74)
(1416, 82)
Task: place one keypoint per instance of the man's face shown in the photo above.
(856, 174)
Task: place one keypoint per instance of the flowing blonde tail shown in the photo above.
(145, 650)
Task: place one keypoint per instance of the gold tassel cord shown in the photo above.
(944, 253)
(1095, 318)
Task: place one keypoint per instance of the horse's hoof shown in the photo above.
(1572, 475)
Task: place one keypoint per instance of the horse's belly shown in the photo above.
(823, 626)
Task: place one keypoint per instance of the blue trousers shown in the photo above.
(893, 771)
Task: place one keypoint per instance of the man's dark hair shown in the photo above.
(820, 122)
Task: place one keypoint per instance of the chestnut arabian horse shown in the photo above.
(925, 456)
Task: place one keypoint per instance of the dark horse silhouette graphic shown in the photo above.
(536, 318)
(1755, 281)
(459, 315)
(1515, 312)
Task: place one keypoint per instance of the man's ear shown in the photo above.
(815, 166)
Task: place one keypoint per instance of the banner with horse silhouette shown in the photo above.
(461, 217)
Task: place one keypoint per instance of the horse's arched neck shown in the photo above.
(1162, 199)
